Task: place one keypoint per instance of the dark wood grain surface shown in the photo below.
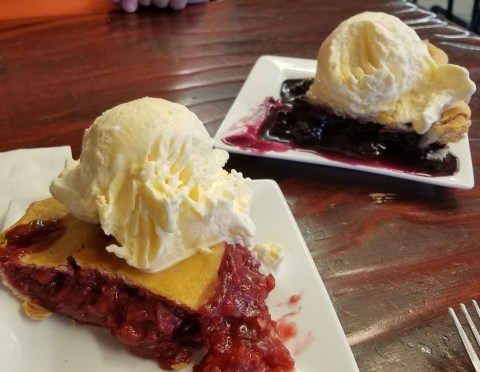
(393, 254)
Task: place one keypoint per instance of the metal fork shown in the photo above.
(466, 342)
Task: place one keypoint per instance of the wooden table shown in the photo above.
(393, 254)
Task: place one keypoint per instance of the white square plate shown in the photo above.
(320, 345)
(265, 80)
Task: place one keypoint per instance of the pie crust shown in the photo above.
(189, 283)
(455, 120)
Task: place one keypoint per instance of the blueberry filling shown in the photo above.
(292, 122)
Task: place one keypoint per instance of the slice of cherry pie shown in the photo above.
(57, 264)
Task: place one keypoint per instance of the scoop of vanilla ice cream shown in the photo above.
(373, 67)
(149, 175)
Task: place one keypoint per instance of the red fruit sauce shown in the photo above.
(295, 298)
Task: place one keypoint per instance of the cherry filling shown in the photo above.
(235, 325)
(294, 123)
(149, 325)
(241, 336)
(32, 237)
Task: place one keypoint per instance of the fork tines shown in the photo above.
(466, 342)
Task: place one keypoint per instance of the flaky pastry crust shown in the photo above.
(455, 120)
(189, 283)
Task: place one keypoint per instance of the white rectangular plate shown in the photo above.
(320, 345)
(265, 80)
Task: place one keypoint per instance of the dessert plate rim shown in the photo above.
(319, 344)
(265, 79)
